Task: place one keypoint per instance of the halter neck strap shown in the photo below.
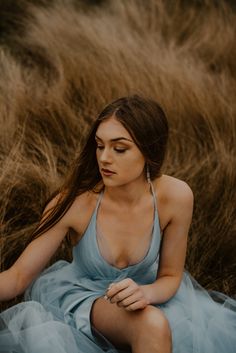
(99, 199)
(153, 194)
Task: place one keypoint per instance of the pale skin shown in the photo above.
(128, 318)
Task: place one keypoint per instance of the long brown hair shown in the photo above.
(146, 122)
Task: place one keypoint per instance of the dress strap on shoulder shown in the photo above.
(99, 198)
(153, 194)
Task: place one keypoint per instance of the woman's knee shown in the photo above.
(154, 320)
(125, 327)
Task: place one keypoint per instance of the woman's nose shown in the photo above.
(105, 155)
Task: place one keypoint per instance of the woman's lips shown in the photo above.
(107, 172)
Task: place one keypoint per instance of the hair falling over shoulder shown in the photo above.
(146, 122)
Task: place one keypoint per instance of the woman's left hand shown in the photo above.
(127, 294)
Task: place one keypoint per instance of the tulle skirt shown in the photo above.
(200, 322)
(29, 327)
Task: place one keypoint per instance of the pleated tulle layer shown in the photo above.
(200, 321)
(28, 327)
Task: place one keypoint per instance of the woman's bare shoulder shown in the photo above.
(81, 201)
(81, 212)
(173, 190)
(175, 198)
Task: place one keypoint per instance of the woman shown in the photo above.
(126, 288)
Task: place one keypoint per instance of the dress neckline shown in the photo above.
(154, 231)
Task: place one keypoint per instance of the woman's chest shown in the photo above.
(124, 239)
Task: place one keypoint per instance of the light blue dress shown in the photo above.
(55, 317)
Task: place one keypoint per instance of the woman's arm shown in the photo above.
(33, 259)
(173, 251)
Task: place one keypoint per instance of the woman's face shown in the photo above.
(117, 152)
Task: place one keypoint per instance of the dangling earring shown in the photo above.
(148, 174)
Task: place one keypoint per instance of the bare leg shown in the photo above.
(154, 334)
(140, 330)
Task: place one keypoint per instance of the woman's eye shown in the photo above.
(119, 150)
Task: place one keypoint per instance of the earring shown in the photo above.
(148, 174)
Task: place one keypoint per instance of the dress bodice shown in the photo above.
(88, 259)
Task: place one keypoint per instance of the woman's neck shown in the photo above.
(127, 195)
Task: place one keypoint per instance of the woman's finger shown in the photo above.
(130, 299)
(140, 304)
(119, 286)
(125, 293)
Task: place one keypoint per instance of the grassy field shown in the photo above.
(61, 63)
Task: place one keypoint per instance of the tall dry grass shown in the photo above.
(61, 63)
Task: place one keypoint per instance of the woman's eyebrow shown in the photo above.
(115, 139)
